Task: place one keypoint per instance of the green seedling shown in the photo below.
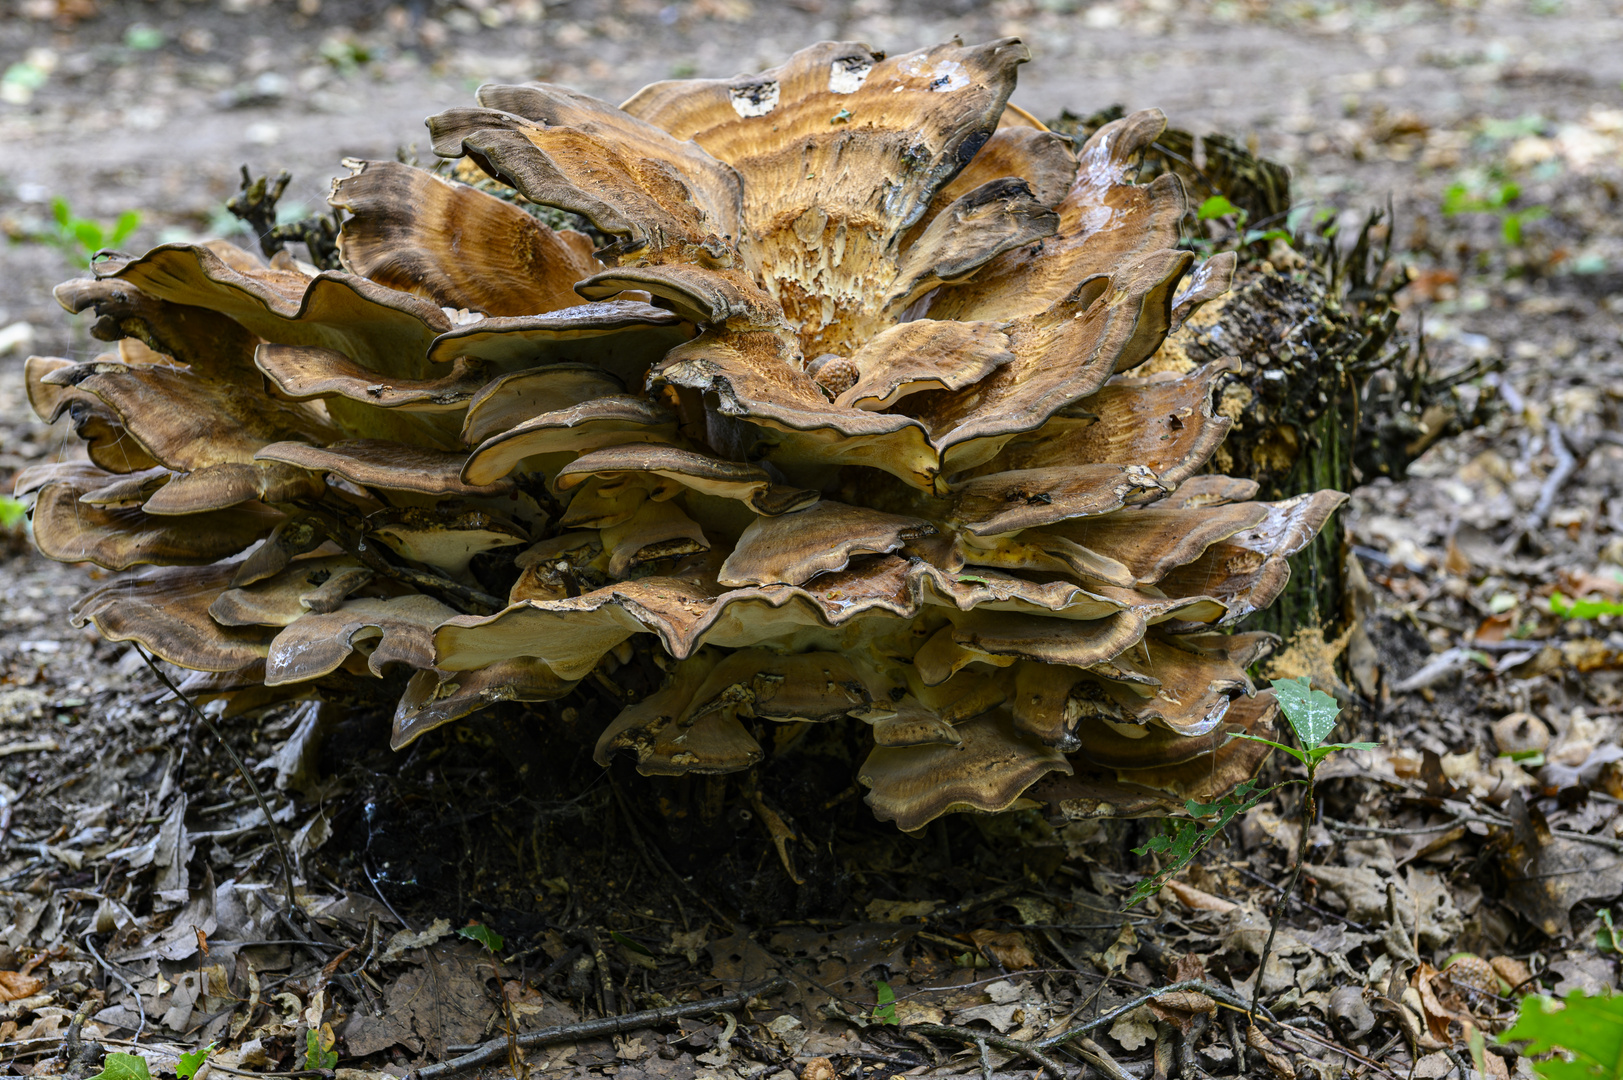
(1582, 609)
(1218, 207)
(1607, 939)
(485, 936)
(1498, 199)
(123, 1067)
(13, 513)
(80, 238)
(318, 1049)
(1312, 715)
(884, 1010)
(629, 943)
(187, 1065)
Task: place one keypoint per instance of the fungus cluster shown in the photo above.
(840, 422)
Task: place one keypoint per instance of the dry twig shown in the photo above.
(496, 1049)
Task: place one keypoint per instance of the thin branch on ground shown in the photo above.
(102, 963)
(1216, 993)
(983, 1039)
(1306, 823)
(242, 771)
(496, 1049)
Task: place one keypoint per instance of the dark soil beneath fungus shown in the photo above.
(134, 862)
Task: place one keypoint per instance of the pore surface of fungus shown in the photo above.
(841, 424)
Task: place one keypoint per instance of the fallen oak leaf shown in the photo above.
(15, 985)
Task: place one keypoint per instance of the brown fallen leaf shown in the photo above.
(1180, 1007)
(1009, 949)
(1513, 971)
(1196, 899)
(14, 985)
(1547, 874)
(1277, 1061)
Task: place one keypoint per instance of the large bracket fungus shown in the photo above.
(840, 425)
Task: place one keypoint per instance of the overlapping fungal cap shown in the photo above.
(841, 424)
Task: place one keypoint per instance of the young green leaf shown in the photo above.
(884, 1010)
(1291, 750)
(192, 1060)
(1215, 207)
(1582, 609)
(1312, 713)
(1319, 753)
(13, 512)
(487, 937)
(127, 222)
(1589, 1028)
(318, 1051)
(1190, 838)
(123, 1067)
(625, 942)
(1607, 939)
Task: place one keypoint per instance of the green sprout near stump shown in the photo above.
(1312, 716)
(82, 237)
(1497, 199)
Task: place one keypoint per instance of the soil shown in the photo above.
(136, 863)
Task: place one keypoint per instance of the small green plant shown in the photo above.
(1582, 609)
(621, 940)
(1607, 939)
(187, 1065)
(318, 1049)
(1312, 715)
(13, 513)
(884, 1009)
(1584, 1031)
(1498, 197)
(485, 936)
(1218, 207)
(123, 1067)
(80, 238)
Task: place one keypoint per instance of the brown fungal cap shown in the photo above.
(698, 472)
(305, 373)
(317, 644)
(219, 487)
(186, 422)
(508, 401)
(433, 698)
(621, 336)
(279, 600)
(389, 466)
(166, 611)
(119, 537)
(794, 548)
(605, 421)
(993, 766)
(460, 248)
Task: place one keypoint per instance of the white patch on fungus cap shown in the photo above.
(847, 74)
(754, 99)
(943, 75)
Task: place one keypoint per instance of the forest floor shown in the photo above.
(491, 881)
